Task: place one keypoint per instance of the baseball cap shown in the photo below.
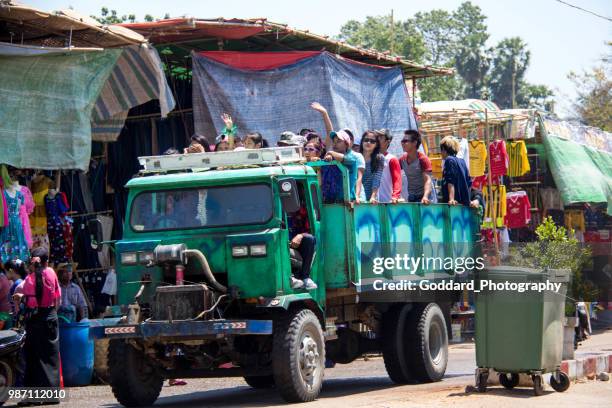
(291, 139)
(342, 135)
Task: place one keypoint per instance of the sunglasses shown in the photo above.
(370, 141)
(310, 149)
(407, 141)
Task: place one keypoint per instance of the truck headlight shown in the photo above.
(145, 257)
(258, 250)
(129, 258)
(239, 251)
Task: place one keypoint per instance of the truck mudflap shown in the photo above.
(185, 329)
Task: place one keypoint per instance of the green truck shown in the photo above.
(204, 278)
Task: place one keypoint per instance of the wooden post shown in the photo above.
(489, 185)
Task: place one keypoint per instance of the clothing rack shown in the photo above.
(94, 270)
(92, 213)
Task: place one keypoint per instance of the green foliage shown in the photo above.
(108, 17)
(557, 248)
(377, 33)
(594, 88)
(534, 96)
(510, 59)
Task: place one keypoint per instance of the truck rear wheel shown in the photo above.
(261, 381)
(134, 381)
(415, 343)
(395, 345)
(298, 359)
(428, 343)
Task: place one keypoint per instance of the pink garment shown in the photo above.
(25, 210)
(51, 289)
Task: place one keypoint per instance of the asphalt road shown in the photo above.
(365, 384)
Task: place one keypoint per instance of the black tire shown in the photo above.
(101, 360)
(509, 382)
(395, 345)
(481, 381)
(428, 343)
(134, 382)
(538, 387)
(561, 386)
(7, 379)
(293, 333)
(260, 382)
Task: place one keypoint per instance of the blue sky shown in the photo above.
(560, 38)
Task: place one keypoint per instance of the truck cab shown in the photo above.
(204, 273)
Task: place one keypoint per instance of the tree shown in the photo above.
(510, 59)
(471, 60)
(534, 96)
(111, 17)
(594, 88)
(376, 33)
(439, 31)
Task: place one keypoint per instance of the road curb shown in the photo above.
(587, 367)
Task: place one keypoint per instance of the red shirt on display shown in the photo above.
(518, 212)
(499, 158)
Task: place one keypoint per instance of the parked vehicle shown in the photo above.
(11, 342)
(204, 271)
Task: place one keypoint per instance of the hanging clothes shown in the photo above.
(518, 210)
(499, 158)
(551, 199)
(478, 158)
(517, 156)
(38, 219)
(56, 209)
(24, 214)
(496, 206)
(575, 219)
(464, 151)
(13, 244)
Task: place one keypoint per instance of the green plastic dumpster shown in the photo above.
(519, 326)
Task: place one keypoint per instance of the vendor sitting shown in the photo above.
(73, 306)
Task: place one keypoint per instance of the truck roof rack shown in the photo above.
(246, 157)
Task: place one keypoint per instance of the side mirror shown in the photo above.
(94, 226)
(289, 196)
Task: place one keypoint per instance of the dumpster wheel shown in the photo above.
(538, 386)
(509, 380)
(482, 377)
(562, 384)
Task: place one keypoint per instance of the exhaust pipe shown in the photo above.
(179, 254)
(206, 269)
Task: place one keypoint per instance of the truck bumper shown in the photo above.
(198, 329)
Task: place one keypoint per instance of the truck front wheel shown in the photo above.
(134, 381)
(260, 381)
(299, 356)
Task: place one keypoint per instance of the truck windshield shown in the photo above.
(201, 207)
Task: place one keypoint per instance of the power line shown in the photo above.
(585, 10)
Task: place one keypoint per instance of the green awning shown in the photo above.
(582, 173)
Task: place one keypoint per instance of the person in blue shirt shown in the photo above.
(456, 181)
(342, 153)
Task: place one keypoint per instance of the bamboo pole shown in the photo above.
(490, 202)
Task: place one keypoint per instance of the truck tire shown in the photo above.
(298, 361)
(101, 360)
(395, 347)
(260, 382)
(428, 343)
(135, 383)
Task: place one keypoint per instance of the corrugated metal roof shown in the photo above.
(182, 35)
(20, 24)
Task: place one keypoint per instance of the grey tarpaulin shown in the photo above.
(357, 96)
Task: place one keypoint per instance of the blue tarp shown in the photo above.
(357, 96)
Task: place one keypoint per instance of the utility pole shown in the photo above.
(392, 39)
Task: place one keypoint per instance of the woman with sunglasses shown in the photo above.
(374, 165)
(312, 152)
